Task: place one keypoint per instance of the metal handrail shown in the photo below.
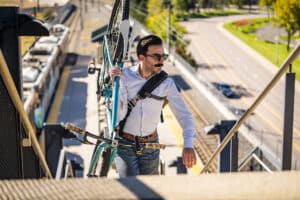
(251, 155)
(257, 102)
(246, 159)
(61, 165)
(69, 170)
(12, 90)
(262, 163)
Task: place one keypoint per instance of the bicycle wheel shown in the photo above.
(120, 12)
(95, 157)
(105, 162)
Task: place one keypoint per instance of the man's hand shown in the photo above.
(189, 157)
(113, 72)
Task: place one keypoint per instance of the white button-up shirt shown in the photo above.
(145, 116)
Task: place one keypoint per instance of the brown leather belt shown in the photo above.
(130, 137)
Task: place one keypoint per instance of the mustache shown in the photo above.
(158, 65)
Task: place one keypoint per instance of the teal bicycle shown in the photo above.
(114, 52)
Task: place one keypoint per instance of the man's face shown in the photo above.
(154, 58)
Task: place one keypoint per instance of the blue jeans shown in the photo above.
(140, 164)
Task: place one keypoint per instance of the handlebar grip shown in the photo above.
(73, 128)
(154, 146)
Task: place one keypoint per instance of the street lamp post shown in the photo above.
(38, 5)
(277, 48)
(169, 5)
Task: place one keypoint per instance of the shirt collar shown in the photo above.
(135, 69)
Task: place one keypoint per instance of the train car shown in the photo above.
(41, 68)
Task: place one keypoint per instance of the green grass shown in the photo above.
(272, 52)
(213, 13)
(294, 37)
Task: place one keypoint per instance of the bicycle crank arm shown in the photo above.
(73, 128)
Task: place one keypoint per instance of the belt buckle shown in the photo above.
(139, 152)
(138, 147)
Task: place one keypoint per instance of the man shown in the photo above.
(141, 124)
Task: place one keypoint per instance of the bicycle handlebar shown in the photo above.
(75, 129)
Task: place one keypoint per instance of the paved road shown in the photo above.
(222, 59)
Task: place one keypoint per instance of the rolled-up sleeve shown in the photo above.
(183, 114)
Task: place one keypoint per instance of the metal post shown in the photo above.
(228, 158)
(169, 25)
(81, 15)
(224, 156)
(288, 121)
(234, 145)
(17, 159)
(10, 137)
(38, 5)
(181, 169)
(85, 6)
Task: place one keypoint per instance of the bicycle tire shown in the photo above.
(105, 162)
(93, 172)
(94, 151)
(116, 41)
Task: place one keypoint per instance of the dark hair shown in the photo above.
(147, 41)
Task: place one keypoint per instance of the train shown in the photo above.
(41, 69)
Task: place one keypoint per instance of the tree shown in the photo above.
(288, 16)
(238, 3)
(268, 4)
(181, 6)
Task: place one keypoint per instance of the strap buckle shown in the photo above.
(133, 101)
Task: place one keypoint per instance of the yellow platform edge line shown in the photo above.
(55, 108)
(177, 131)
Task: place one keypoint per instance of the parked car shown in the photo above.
(226, 90)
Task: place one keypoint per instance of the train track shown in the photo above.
(204, 144)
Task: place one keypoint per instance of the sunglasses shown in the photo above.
(158, 57)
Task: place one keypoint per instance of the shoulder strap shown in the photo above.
(144, 92)
(151, 84)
